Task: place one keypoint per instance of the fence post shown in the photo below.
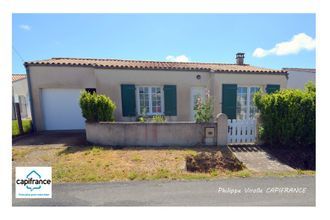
(222, 129)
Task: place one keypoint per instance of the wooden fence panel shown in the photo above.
(241, 131)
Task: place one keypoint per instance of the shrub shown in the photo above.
(158, 118)
(96, 107)
(288, 116)
(143, 117)
(204, 110)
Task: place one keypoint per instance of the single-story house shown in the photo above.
(149, 87)
(20, 94)
(298, 77)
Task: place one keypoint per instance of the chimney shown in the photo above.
(240, 58)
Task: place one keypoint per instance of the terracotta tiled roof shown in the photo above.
(16, 77)
(300, 70)
(154, 65)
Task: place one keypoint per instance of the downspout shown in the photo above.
(30, 96)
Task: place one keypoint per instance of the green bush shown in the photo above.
(288, 116)
(143, 117)
(96, 107)
(158, 118)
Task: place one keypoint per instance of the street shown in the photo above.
(267, 191)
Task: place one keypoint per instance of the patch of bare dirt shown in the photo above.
(208, 161)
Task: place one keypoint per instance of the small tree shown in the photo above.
(96, 107)
(204, 110)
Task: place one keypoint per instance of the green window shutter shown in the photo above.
(170, 100)
(272, 88)
(128, 100)
(229, 98)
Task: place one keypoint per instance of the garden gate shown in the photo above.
(241, 131)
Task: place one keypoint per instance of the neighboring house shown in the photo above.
(165, 88)
(298, 77)
(20, 93)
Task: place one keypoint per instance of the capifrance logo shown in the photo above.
(33, 182)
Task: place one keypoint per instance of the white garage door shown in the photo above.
(61, 109)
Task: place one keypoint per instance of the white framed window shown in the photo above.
(150, 100)
(245, 108)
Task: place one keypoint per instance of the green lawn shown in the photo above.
(26, 127)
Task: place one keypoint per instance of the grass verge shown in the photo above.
(26, 127)
(97, 164)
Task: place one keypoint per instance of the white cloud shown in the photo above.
(180, 58)
(297, 43)
(25, 27)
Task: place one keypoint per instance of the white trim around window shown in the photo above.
(146, 94)
(245, 108)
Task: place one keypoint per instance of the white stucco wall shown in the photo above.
(108, 81)
(20, 88)
(298, 79)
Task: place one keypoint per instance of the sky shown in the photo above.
(268, 40)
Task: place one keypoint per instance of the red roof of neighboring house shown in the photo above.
(154, 65)
(16, 77)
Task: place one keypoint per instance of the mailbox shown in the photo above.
(209, 132)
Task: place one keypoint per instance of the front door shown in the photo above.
(195, 93)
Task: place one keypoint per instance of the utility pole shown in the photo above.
(19, 118)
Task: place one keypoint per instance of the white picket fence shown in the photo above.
(241, 131)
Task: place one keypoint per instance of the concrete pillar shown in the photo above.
(222, 129)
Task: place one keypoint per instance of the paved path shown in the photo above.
(255, 158)
(181, 193)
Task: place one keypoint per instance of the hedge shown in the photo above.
(96, 107)
(288, 117)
